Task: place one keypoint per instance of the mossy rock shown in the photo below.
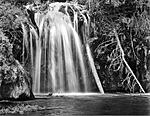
(15, 82)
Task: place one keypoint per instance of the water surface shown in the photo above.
(90, 105)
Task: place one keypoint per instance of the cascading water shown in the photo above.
(56, 51)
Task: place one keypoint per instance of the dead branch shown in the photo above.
(123, 58)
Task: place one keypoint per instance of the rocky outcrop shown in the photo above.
(15, 83)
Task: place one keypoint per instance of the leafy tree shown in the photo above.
(11, 17)
(130, 19)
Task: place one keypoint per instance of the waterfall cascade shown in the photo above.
(59, 53)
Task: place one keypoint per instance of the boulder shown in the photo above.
(15, 82)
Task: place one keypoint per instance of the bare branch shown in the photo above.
(123, 58)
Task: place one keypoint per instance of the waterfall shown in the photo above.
(60, 60)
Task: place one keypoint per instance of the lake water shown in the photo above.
(114, 104)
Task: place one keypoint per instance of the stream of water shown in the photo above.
(60, 57)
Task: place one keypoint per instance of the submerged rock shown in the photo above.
(15, 83)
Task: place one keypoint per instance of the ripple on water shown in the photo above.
(80, 105)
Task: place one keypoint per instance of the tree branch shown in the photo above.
(123, 58)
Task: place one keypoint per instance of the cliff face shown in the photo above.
(15, 83)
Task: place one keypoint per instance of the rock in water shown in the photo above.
(15, 83)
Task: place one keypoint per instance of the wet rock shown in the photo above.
(15, 83)
(20, 109)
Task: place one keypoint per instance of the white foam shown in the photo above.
(89, 94)
(76, 94)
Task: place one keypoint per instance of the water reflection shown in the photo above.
(95, 105)
(91, 105)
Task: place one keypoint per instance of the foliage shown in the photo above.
(14, 80)
(8, 72)
(131, 22)
(11, 17)
(5, 58)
